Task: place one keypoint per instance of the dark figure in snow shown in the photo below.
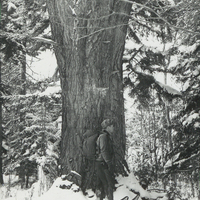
(104, 167)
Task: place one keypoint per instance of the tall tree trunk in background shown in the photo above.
(155, 146)
(142, 136)
(22, 114)
(167, 112)
(23, 90)
(198, 184)
(23, 86)
(21, 106)
(169, 125)
(90, 41)
(1, 135)
(23, 72)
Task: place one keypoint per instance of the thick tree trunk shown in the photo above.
(90, 37)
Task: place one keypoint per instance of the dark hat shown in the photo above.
(106, 123)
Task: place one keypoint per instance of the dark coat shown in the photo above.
(104, 147)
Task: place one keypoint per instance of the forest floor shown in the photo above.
(127, 188)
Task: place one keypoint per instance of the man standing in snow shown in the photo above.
(104, 165)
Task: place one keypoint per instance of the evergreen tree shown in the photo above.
(37, 145)
(182, 28)
(89, 41)
(21, 22)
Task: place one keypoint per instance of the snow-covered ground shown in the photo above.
(126, 187)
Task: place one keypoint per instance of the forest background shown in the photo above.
(162, 123)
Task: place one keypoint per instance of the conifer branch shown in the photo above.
(161, 18)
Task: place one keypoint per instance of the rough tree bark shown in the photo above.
(90, 37)
(1, 136)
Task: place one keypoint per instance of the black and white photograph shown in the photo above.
(99, 99)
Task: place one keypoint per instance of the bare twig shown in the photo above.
(47, 41)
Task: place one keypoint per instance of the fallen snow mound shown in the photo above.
(127, 187)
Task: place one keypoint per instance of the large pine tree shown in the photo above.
(90, 37)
